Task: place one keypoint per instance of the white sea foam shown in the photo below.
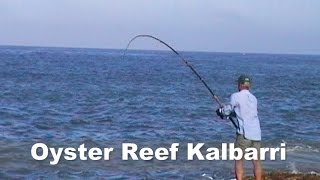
(315, 173)
(293, 168)
(207, 176)
(299, 148)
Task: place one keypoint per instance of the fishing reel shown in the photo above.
(224, 111)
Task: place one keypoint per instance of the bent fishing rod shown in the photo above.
(185, 62)
(215, 97)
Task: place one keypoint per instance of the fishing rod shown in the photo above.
(215, 97)
(185, 62)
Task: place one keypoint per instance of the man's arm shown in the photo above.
(228, 109)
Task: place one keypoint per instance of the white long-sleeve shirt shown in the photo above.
(244, 105)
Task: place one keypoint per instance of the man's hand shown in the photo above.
(219, 112)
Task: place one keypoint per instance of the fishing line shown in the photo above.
(185, 62)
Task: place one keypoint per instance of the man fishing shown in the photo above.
(243, 107)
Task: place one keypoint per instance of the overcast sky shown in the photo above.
(270, 26)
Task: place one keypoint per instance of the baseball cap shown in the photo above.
(244, 79)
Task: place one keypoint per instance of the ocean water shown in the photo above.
(64, 97)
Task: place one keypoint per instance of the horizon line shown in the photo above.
(138, 49)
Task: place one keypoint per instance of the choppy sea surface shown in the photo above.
(65, 97)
